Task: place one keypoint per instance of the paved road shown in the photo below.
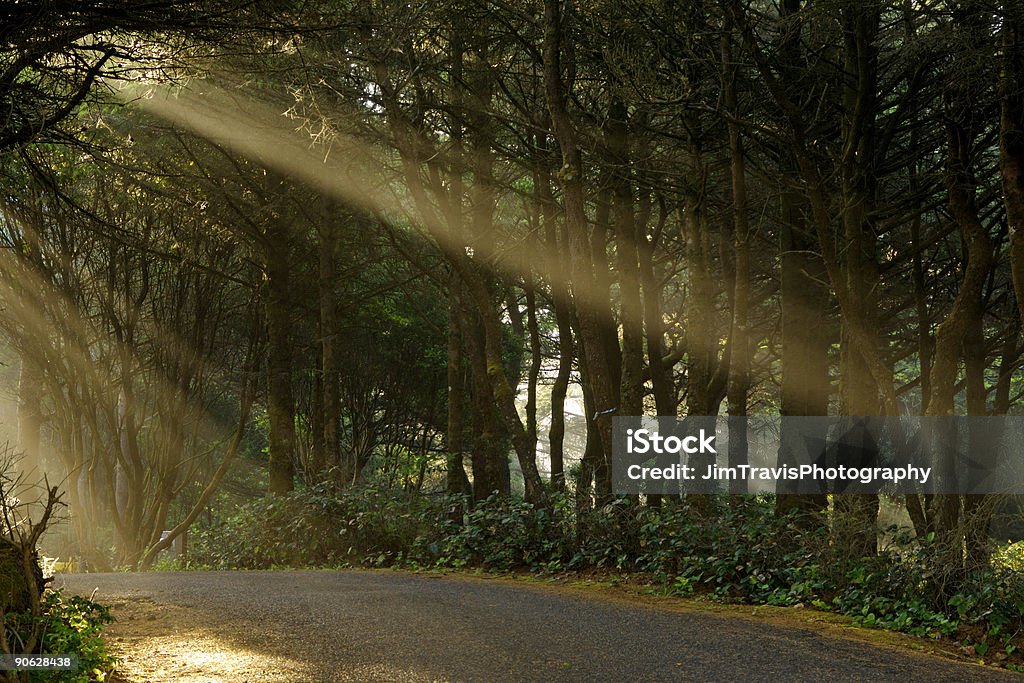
(383, 626)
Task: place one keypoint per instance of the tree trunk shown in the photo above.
(30, 420)
(533, 375)
(1011, 144)
(280, 403)
(805, 380)
(329, 366)
(739, 334)
(490, 467)
(587, 295)
(457, 483)
(477, 285)
(858, 388)
(983, 445)
(631, 381)
(967, 309)
(703, 398)
(592, 450)
(662, 384)
(557, 263)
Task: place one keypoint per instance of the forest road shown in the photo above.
(392, 626)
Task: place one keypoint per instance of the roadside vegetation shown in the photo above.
(35, 618)
(738, 551)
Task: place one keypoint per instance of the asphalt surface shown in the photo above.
(383, 626)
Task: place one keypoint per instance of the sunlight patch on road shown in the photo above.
(159, 643)
(199, 658)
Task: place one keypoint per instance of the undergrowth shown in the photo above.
(36, 621)
(68, 625)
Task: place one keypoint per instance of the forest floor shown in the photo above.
(200, 627)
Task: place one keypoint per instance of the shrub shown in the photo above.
(504, 534)
(316, 527)
(69, 625)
